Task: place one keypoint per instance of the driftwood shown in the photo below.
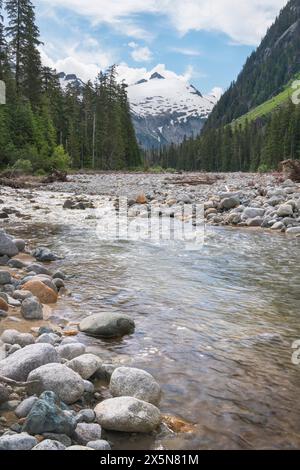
(194, 180)
(15, 183)
(14, 383)
(56, 176)
(291, 169)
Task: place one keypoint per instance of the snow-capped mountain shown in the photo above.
(166, 110)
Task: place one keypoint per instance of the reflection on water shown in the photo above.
(208, 326)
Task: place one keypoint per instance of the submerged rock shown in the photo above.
(128, 414)
(131, 382)
(107, 325)
(44, 254)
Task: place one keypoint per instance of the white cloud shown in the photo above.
(244, 21)
(186, 51)
(217, 92)
(140, 54)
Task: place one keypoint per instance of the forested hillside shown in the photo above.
(42, 127)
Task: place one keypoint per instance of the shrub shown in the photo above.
(40, 172)
(263, 168)
(23, 165)
(60, 159)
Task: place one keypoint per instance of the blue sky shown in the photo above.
(203, 41)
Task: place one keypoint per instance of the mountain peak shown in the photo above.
(157, 75)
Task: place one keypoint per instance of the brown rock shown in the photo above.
(3, 305)
(178, 425)
(141, 199)
(41, 291)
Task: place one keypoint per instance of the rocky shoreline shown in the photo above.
(48, 398)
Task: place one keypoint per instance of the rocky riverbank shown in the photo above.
(50, 398)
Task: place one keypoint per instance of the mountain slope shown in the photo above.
(266, 71)
(166, 110)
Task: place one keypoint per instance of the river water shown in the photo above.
(214, 326)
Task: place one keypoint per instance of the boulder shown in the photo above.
(107, 325)
(86, 432)
(45, 294)
(48, 444)
(252, 212)
(14, 337)
(32, 309)
(5, 277)
(46, 415)
(230, 202)
(131, 382)
(58, 378)
(25, 406)
(7, 245)
(71, 350)
(18, 365)
(128, 414)
(85, 365)
(17, 442)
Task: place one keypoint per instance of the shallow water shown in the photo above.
(199, 320)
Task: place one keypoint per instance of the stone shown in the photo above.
(88, 387)
(85, 365)
(128, 414)
(3, 314)
(252, 212)
(3, 305)
(48, 444)
(19, 365)
(20, 244)
(107, 325)
(132, 382)
(14, 337)
(59, 275)
(256, 222)
(79, 448)
(25, 406)
(17, 442)
(32, 309)
(293, 230)
(5, 277)
(44, 254)
(7, 245)
(285, 210)
(275, 200)
(230, 202)
(277, 226)
(141, 199)
(86, 432)
(4, 394)
(62, 438)
(13, 348)
(100, 444)
(50, 338)
(16, 264)
(21, 294)
(46, 415)
(59, 283)
(38, 269)
(105, 372)
(70, 351)
(67, 384)
(85, 416)
(45, 294)
(4, 260)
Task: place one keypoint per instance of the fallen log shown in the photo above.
(290, 169)
(56, 176)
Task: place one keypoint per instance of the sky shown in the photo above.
(205, 42)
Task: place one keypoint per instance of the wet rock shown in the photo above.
(32, 309)
(16, 264)
(25, 406)
(59, 283)
(4, 394)
(59, 275)
(3, 305)
(85, 416)
(47, 416)
(86, 432)
(7, 245)
(19, 365)
(107, 325)
(100, 444)
(38, 269)
(128, 414)
(41, 291)
(14, 337)
(70, 351)
(44, 254)
(21, 294)
(3, 314)
(48, 444)
(85, 365)
(67, 384)
(21, 441)
(131, 382)
(5, 277)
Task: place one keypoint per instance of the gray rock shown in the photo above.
(79, 448)
(38, 269)
(230, 202)
(14, 337)
(105, 372)
(62, 438)
(16, 264)
(4, 394)
(17, 442)
(86, 432)
(10, 405)
(48, 444)
(88, 386)
(107, 325)
(25, 406)
(13, 348)
(4, 260)
(5, 277)
(59, 275)
(7, 245)
(85, 365)
(70, 351)
(22, 294)
(46, 415)
(20, 244)
(275, 200)
(252, 212)
(3, 314)
(85, 416)
(293, 230)
(59, 283)
(44, 254)
(32, 309)
(19, 365)
(131, 382)
(100, 444)
(285, 210)
(50, 338)
(128, 414)
(256, 222)
(277, 226)
(67, 384)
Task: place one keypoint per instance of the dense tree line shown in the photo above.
(256, 145)
(267, 70)
(43, 126)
